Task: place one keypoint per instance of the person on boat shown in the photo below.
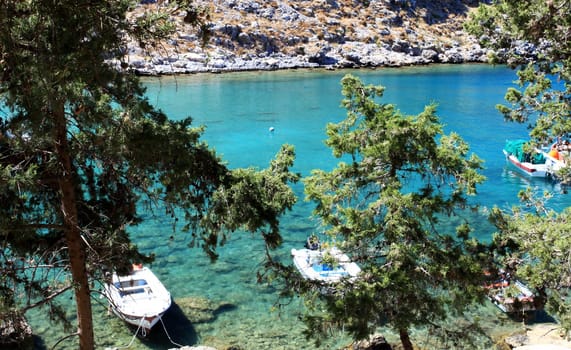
(504, 279)
(312, 242)
(564, 149)
(554, 153)
(502, 282)
(525, 299)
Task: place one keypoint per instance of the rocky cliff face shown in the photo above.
(279, 34)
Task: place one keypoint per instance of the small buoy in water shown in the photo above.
(272, 129)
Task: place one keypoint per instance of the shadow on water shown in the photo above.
(178, 330)
(175, 329)
(39, 343)
(536, 317)
(541, 316)
(225, 308)
(532, 317)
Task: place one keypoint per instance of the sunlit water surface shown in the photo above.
(221, 304)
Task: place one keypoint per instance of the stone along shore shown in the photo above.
(246, 35)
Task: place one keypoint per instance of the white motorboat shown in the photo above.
(530, 169)
(139, 298)
(543, 162)
(327, 265)
(556, 157)
(532, 164)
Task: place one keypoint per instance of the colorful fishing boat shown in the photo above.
(556, 156)
(511, 295)
(533, 164)
(514, 297)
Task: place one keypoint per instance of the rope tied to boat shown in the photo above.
(167, 333)
(135, 335)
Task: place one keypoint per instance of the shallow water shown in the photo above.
(238, 109)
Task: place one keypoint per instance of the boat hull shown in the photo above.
(529, 169)
(145, 323)
(139, 298)
(552, 164)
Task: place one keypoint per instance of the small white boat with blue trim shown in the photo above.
(327, 265)
(139, 298)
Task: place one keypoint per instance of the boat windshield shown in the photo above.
(133, 286)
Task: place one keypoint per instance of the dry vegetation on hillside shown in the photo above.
(303, 27)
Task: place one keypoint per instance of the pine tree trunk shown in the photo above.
(72, 234)
(405, 339)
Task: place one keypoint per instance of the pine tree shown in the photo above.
(82, 151)
(533, 37)
(399, 176)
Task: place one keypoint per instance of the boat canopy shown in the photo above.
(515, 148)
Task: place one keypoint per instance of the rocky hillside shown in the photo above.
(279, 34)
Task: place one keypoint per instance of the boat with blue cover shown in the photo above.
(327, 265)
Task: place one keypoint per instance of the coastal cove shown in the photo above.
(248, 116)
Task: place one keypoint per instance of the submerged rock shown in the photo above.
(375, 342)
(15, 332)
(201, 310)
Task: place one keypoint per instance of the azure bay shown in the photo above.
(248, 116)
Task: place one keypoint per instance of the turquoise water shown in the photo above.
(229, 307)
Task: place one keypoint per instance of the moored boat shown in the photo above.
(328, 265)
(556, 156)
(512, 296)
(139, 298)
(534, 164)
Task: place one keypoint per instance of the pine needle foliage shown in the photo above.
(398, 178)
(533, 237)
(83, 153)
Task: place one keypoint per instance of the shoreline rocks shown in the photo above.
(246, 35)
(541, 336)
(348, 55)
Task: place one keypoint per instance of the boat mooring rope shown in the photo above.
(134, 336)
(144, 332)
(167, 333)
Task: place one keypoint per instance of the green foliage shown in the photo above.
(536, 242)
(484, 24)
(542, 97)
(151, 28)
(82, 153)
(252, 200)
(533, 239)
(329, 260)
(399, 176)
